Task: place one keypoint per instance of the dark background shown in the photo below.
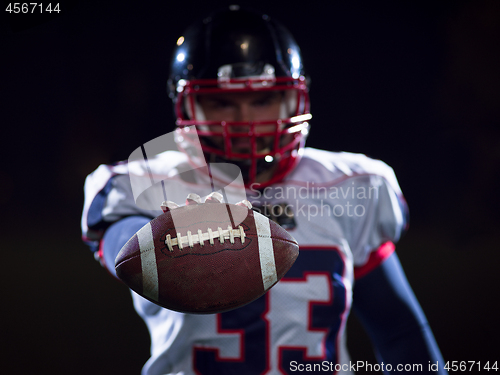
(416, 84)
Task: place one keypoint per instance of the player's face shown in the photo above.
(242, 107)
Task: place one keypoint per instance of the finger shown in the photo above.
(193, 199)
(245, 203)
(168, 205)
(214, 198)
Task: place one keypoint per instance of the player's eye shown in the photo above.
(220, 104)
(268, 100)
(262, 103)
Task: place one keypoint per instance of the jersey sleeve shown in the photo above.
(385, 221)
(108, 198)
(132, 188)
(380, 212)
(365, 199)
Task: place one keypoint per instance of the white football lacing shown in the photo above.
(190, 239)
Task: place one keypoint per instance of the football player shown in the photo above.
(239, 88)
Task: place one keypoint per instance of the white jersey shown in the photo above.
(345, 210)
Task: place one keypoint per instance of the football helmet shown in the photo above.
(234, 51)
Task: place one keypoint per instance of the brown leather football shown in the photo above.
(206, 258)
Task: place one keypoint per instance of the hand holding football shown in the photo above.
(206, 257)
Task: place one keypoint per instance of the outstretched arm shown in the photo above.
(388, 309)
(117, 235)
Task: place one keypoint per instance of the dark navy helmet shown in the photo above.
(237, 50)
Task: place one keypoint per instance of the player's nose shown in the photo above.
(244, 113)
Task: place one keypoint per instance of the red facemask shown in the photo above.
(274, 145)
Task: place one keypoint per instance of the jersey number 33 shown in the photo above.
(298, 321)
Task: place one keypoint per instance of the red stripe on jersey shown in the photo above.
(375, 259)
